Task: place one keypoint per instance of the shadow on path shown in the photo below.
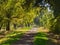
(27, 39)
(53, 39)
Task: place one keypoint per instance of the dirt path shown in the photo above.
(54, 39)
(27, 39)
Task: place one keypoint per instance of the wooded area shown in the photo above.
(16, 14)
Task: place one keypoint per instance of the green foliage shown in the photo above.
(46, 18)
(23, 12)
(55, 25)
(40, 39)
(20, 12)
(13, 36)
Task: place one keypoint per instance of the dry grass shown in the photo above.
(42, 29)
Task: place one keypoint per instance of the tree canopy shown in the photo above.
(24, 12)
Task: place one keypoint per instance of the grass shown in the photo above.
(13, 36)
(24, 29)
(45, 38)
(9, 38)
(40, 39)
(42, 29)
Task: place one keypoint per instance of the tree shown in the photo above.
(7, 9)
(55, 5)
(17, 12)
(46, 18)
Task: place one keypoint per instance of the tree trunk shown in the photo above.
(1, 26)
(15, 26)
(8, 26)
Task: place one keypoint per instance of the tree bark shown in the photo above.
(15, 26)
(8, 26)
(1, 26)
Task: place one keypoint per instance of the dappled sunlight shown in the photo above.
(40, 39)
(54, 38)
(27, 38)
(47, 37)
(12, 36)
(9, 39)
(3, 40)
(24, 29)
(29, 22)
(42, 29)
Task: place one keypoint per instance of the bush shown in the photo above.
(55, 28)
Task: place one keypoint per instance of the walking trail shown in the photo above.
(27, 38)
